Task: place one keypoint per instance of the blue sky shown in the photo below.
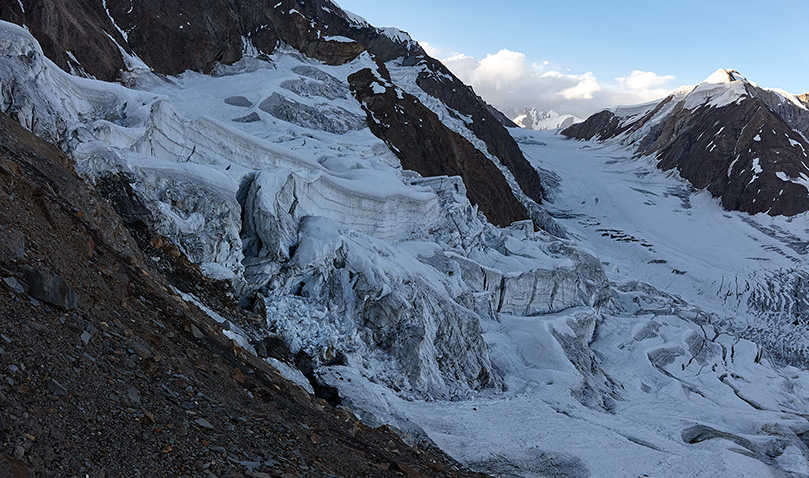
(601, 44)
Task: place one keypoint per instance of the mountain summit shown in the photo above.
(725, 76)
(745, 144)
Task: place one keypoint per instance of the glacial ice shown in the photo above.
(296, 215)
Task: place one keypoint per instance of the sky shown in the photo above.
(580, 56)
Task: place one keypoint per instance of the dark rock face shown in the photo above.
(173, 36)
(438, 82)
(170, 36)
(65, 26)
(742, 171)
(425, 145)
(749, 153)
(602, 125)
(117, 188)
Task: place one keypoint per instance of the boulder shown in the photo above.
(49, 288)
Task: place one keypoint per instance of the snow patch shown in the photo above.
(396, 35)
(109, 15)
(803, 179)
(724, 76)
(756, 170)
(339, 39)
(355, 20)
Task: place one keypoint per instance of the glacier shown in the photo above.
(305, 202)
(637, 338)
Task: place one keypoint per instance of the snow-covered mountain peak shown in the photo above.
(535, 119)
(723, 75)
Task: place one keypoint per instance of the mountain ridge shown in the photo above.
(744, 144)
(538, 120)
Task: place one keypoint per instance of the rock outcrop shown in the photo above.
(419, 137)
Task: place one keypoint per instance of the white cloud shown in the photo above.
(639, 80)
(500, 70)
(584, 89)
(509, 81)
(641, 86)
(431, 50)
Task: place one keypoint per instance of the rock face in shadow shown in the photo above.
(107, 39)
(439, 83)
(171, 37)
(600, 126)
(50, 288)
(425, 145)
(744, 144)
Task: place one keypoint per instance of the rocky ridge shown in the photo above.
(745, 144)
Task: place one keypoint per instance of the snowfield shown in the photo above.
(654, 340)
(651, 226)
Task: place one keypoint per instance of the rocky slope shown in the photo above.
(745, 144)
(108, 39)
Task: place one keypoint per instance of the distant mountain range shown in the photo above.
(745, 144)
(538, 120)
